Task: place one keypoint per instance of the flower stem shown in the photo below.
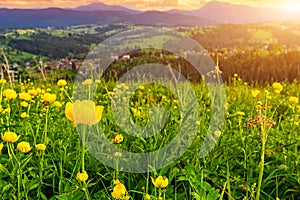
(261, 169)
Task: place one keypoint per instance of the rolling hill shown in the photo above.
(99, 13)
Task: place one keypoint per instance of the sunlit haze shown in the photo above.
(147, 4)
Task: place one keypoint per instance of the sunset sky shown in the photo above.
(143, 4)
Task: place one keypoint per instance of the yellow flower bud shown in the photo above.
(10, 137)
(24, 147)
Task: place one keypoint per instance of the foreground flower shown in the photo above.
(87, 82)
(24, 147)
(82, 176)
(24, 115)
(240, 113)
(277, 87)
(293, 100)
(2, 81)
(84, 112)
(49, 97)
(147, 197)
(40, 147)
(10, 94)
(57, 104)
(10, 137)
(24, 104)
(61, 83)
(255, 93)
(118, 138)
(33, 92)
(25, 96)
(160, 182)
(119, 191)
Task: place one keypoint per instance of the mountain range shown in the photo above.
(100, 13)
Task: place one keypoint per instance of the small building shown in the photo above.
(126, 57)
(114, 56)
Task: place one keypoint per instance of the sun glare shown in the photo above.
(293, 6)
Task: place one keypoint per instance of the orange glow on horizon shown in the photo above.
(138, 4)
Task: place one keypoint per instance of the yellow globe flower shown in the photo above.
(24, 147)
(293, 100)
(40, 147)
(33, 92)
(10, 94)
(61, 83)
(255, 93)
(119, 191)
(49, 97)
(7, 110)
(87, 82)
(240, 113)
(83, 112)
(147, 197)
(57, 104)
(118, 138)
(2, 81)
(277, 87)
(160, 182)
(25, 96)
(10, 137)
(82, 176)
(24, 104)
(24, 115)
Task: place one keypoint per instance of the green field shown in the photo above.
(256, 156)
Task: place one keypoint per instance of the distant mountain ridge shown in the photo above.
(104, 7)
(100, 13)
(231, 13)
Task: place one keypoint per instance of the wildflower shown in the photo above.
(10, 94)
(25, 96)
(87, 82)
(147, 197)
(118, 138)
(2, 81)
(10, 137)
(61, 83)
(40, 147)
(24, 104)
(136, 112)
(240, 113)
(7, 110)
(33, 92)
(24, 147)
(24, 115)
(49, 97)
(82, 176)
(83, 112)
(119, 191)
(141, 87)
(235, 75)
(118, 154)
(293, 100)
(255, 93)
(218, 133)
(160, 182)
(57, 104)
(1, 147)
(277, 87)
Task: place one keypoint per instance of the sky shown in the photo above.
(143, 4)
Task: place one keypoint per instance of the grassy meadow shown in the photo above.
(43, 128)
(42, 156)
